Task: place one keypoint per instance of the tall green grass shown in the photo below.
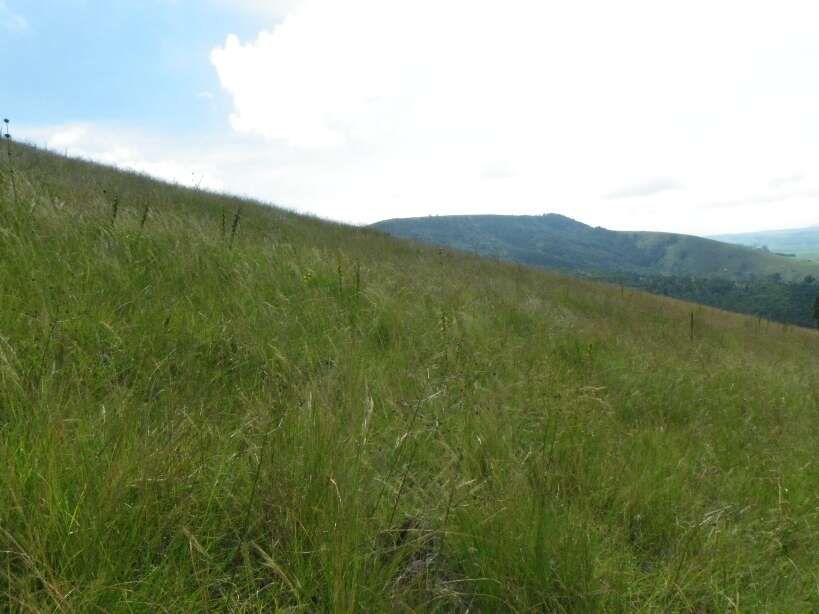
(291, 414)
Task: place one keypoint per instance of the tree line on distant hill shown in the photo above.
(770, 297)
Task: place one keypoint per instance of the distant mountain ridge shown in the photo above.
(801, 242)
(558, 242)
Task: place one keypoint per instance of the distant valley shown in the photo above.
(797, 242)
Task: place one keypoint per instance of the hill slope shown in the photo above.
(557, 242)
(309, 416)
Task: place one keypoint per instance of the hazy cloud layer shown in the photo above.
(780, 182)
(809, 198)
(648, 188)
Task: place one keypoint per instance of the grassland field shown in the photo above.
(201, 411)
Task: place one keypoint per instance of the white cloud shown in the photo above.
(9, 20)
(780, 182)
(367, 109)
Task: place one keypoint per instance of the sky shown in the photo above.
(699, 117)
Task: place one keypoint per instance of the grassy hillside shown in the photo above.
(557, 242)
(801, 242)
(312, 417)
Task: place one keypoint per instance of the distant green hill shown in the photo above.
(558, 242)
(801, 242)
